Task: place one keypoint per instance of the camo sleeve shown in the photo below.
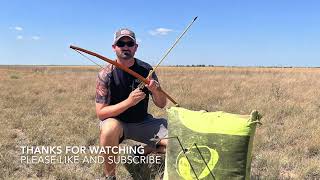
(103, 87)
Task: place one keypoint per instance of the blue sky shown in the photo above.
(227, 33)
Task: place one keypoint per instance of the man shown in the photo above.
(122, 106)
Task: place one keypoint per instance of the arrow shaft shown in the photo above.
(174, 44)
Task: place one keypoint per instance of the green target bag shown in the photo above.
(209, 145)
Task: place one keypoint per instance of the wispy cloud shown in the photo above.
(160, 31)
(19, 37)
(35, 38)
(18, 28)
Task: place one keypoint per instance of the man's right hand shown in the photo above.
(136, 96)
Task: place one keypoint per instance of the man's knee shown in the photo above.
(163, 142)
(111, 128)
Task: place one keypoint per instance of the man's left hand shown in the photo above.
(153, 86)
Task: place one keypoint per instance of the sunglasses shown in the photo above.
(122, 43)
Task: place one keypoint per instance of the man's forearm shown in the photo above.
(159, 99)
(107, 111)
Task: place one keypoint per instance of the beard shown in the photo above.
(126, 55)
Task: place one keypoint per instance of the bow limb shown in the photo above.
(122, 67)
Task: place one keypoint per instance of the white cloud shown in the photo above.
(160, 31)
(35, 37)
(18, 28)
(19, 37)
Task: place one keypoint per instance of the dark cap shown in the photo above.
(122, 33)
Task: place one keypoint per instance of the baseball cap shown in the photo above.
(122, 33)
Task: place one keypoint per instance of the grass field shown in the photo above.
(54, 106)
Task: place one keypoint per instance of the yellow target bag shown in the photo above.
(209, 145)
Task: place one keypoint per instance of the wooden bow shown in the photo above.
(122, 67)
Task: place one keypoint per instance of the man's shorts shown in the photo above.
(147, 130)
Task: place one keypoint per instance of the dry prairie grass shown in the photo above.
(55, 106)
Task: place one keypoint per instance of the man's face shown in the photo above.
(125, 48)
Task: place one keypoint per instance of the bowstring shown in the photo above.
(89, 59)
